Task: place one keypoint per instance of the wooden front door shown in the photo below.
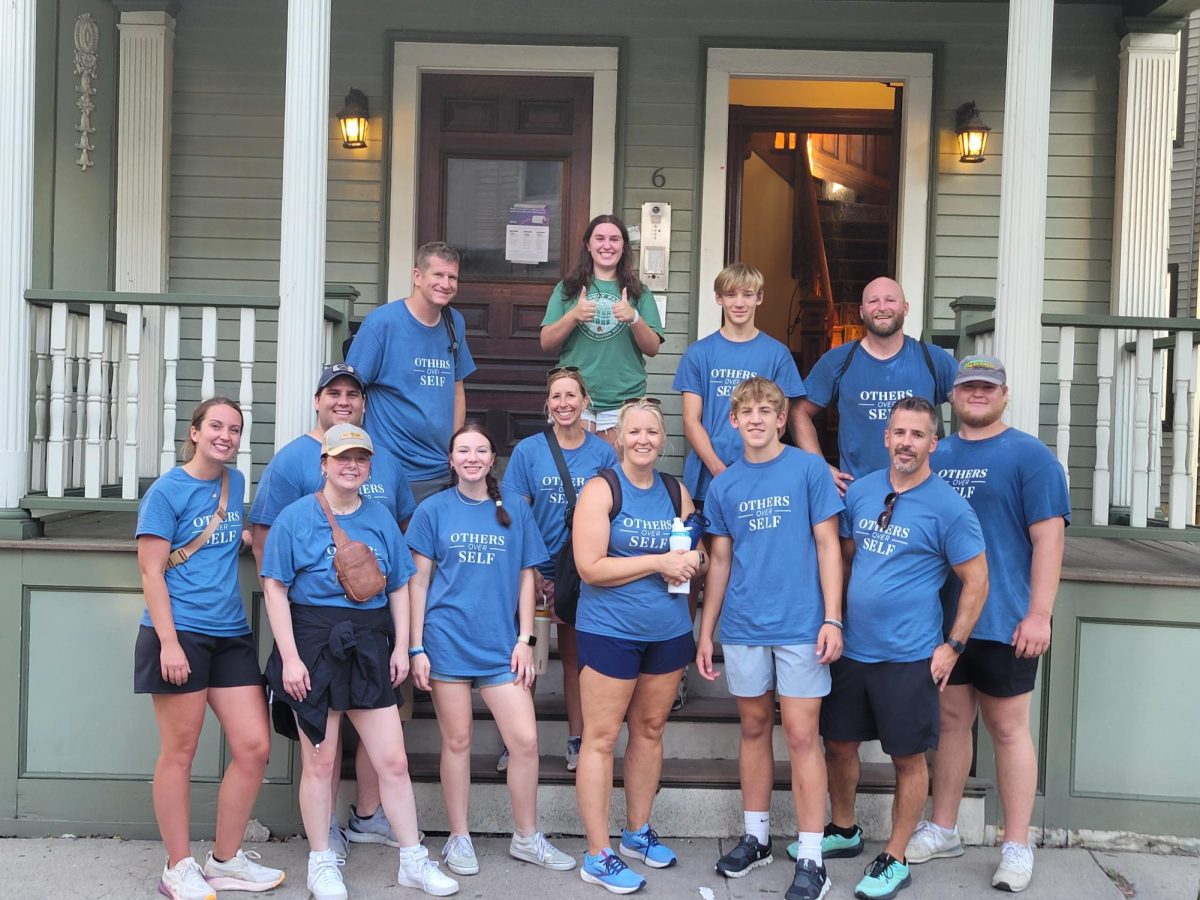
(504, 175)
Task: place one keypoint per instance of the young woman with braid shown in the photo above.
(475, 554)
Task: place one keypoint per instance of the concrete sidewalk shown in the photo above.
(58, 869)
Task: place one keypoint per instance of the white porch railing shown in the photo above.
(1161, 355)
(88, 375)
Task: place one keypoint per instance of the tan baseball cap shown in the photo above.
(343, 437)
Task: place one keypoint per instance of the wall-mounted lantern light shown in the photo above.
(353, 119)
(972, 133)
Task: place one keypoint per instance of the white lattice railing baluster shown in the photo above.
(246, 394)
(1066, 375)
(1185, 366)
(79, 401)
(41, 397)
(1143, 365)
(1193, 442)
(95, 401)
(133, 356)
(111, 393)
(166, 456)
(208, 352)
(1154, 481)
(1106, 345)
(56, 447)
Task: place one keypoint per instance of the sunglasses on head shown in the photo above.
(649, 401)
(885, 517)
(561, 370)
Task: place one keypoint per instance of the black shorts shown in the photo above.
(993, 668)
(216, 662)
(895, 703)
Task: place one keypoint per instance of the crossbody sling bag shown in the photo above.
(566, 576)
(354, 562)
(184, 553)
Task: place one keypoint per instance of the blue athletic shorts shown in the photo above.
(620, 658)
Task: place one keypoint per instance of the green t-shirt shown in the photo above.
(603, 349)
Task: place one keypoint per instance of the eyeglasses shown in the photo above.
(885, 517)
(649, 401)
(561, 370)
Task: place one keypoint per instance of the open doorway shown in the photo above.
(811, 199)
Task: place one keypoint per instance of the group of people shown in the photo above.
(391, 554)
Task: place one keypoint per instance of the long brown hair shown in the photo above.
(198, 416)
(493, 486)
(581, 276)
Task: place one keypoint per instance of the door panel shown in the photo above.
(493, 147)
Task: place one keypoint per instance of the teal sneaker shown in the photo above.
(644, 845)
(833, 844)
(886, 877)
(611, 873)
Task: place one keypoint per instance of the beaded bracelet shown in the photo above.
(415, 651)
(835, 623)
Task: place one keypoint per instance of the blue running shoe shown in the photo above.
(644, 845)
(885, 877)
(611, 873)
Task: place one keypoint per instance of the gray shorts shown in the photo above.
(792, 669)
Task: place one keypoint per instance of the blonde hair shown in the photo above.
(756, 389)
(639, 405)
(737, 277)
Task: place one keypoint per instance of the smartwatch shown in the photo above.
(957, 646)
(529, 639)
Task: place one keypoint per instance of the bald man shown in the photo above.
(864, 378)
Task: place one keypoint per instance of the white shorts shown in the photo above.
(792, 669)
(601, 421)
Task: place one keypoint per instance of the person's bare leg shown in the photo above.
(800, 716)
(604, 701)
(912, 787)
(756, 758)
(952, 759)
(379, 730)
(180, 718)
(366, 787)
(512, 708)
(242, 712)
(649, 708)
(1007, 721)
(841, 762)
(319, 765)
(452, 702)
(568, 651)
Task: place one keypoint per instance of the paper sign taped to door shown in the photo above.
(527, 239)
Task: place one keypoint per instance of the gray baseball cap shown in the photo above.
(980, 368)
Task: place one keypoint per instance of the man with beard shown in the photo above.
(862, 379)
(1019, 492)
(903, 531)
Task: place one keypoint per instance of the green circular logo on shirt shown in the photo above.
(604, 326)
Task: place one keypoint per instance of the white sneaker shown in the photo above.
(324, 876)
(572, 756)
(1016, 868)
(502, 761)
(418, 871)
(539, 851)
(459, 855)
(241, 873)
(931, 841)
(185, 881)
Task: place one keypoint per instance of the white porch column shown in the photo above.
(1020, 270)
(17, 34)
(1141, 215)
(302, 239)
(147, 42)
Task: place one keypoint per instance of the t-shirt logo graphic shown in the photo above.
(604, 326)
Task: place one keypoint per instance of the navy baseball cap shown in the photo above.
(339, 370)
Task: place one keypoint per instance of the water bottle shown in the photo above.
(541, 650)
(681, 539)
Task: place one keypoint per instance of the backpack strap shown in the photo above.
(180, 556)
(837, 379)
(451, 334)
(564, 474)
(938, 397)
(670, 482)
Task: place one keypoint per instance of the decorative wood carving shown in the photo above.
(87, 57)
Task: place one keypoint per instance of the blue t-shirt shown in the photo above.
(300, 549)
(471, 605)
(1011, 481)
(711, 368)
(296, 470)
(869, 389)
(893, 602)
(410, 376)
(532, 473)
(641, 610)
(769, 509)
(204, 591)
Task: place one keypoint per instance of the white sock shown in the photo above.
(810, 846)
(409, 851)
(945, 832)
(759, 825)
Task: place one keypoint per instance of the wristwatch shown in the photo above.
(957, 646)
(530, 639)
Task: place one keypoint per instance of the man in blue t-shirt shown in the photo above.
(864, 378)
(775, 582)
(295, 472)
(903, 531)
(413, 356)
(1019, 492)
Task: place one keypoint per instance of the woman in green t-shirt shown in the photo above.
(603, 321)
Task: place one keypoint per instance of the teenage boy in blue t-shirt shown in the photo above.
(903, 531)
(775, 582)
(867, 376)
(1019, 491)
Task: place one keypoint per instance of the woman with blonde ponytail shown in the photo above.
(472, 627)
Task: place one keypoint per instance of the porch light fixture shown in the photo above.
(972, 133)
(353, 120)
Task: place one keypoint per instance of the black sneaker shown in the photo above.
(747, 855)
(810, 882)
